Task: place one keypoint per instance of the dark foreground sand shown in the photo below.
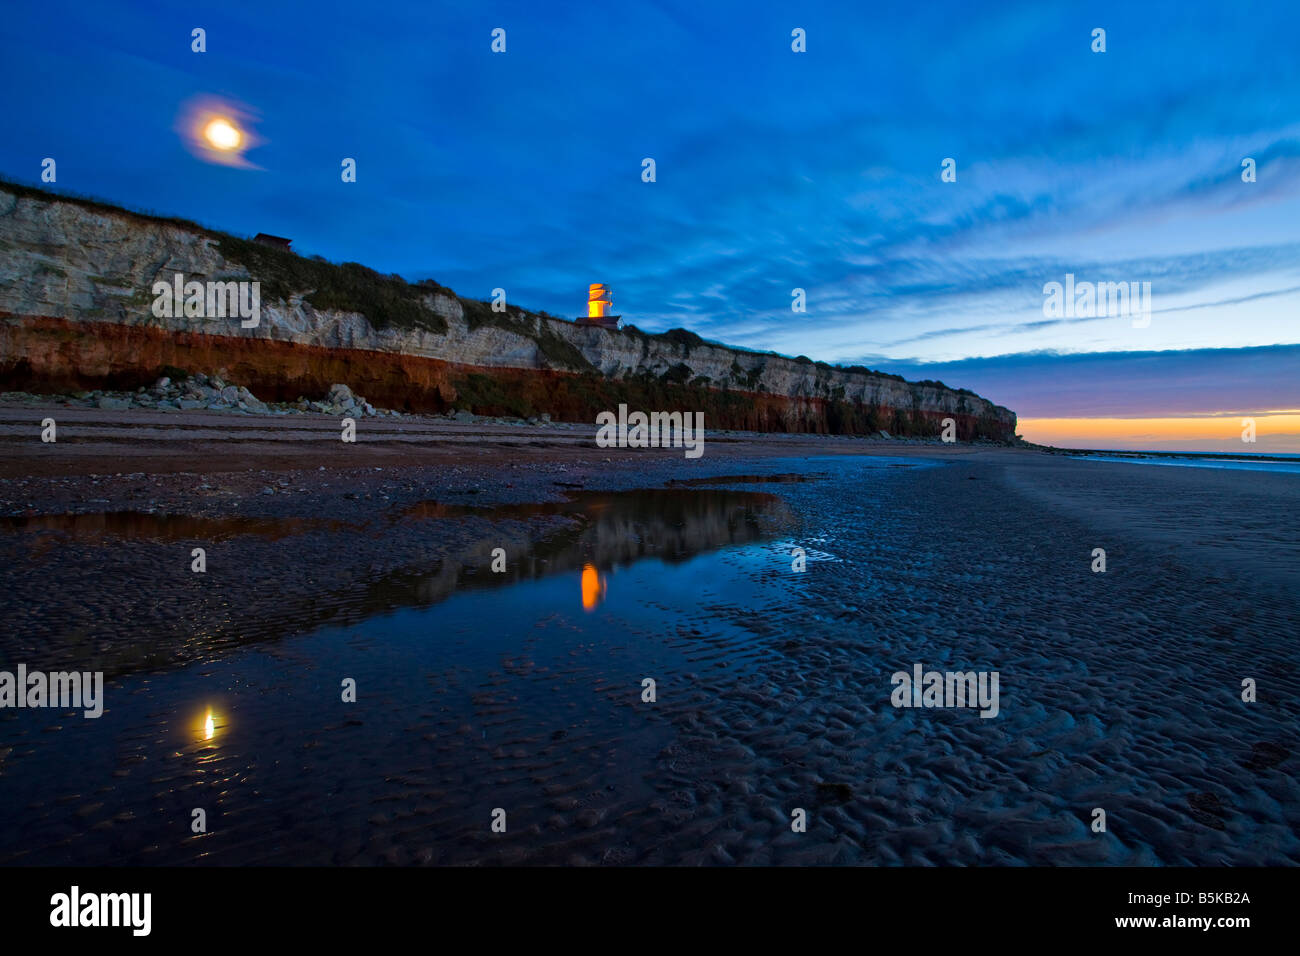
(1119, 691)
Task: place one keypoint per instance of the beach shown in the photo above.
(523, 690)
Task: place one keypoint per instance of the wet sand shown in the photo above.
(479, 691)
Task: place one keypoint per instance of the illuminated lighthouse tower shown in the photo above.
(599, 305)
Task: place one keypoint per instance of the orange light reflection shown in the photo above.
(594, 586)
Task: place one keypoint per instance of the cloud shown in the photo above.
(1200, 382)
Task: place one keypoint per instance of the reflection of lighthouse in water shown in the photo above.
(600, 304)
(594, 587)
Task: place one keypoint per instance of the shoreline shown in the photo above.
(109, 442)
(1119, 690)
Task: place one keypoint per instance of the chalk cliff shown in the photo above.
(76, 281)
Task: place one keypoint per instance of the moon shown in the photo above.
(222, 134)
(218, 130)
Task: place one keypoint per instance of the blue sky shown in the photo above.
(775, 170)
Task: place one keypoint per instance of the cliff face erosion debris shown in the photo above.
(210, 393)
(75, 314)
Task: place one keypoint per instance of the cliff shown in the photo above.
(76, 296)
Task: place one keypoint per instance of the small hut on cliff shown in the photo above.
(268, 240)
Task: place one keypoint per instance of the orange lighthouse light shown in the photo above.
(600, 305)
(599, 301)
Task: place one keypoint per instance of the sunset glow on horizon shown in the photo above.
(1275, 432)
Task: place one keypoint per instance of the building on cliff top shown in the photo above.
(599, 304)
(268, 240)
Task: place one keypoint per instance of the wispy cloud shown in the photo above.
(1195, 382)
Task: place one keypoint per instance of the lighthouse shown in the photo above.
(599, 307)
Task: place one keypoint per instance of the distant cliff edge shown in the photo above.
(76, 296)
